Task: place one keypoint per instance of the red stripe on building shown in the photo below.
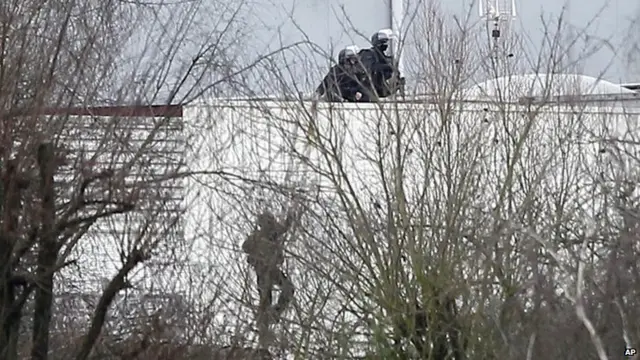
(118, 111)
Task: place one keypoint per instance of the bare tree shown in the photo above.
(76, 187)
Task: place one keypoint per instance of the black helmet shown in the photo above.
(346, 53)
(381, 37)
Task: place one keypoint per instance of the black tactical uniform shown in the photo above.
(384, 77)
(346, 80)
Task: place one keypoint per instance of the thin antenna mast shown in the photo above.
(499, 16)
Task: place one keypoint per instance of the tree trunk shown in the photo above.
(10, 322)
(47, 255)
(9, 310)
(117, 283)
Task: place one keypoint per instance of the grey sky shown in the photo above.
(324, 21)
(610, 19)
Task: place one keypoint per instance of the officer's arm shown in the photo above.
(286, 225)
(350, 90)
(282, 228)
(385, 68)
(361, 77)
(344, 86)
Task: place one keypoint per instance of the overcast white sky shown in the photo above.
(604, 19)
(324, 21)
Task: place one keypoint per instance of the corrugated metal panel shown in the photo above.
(145, 155)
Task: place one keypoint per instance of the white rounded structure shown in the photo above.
(514, 87)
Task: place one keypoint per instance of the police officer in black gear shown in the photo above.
(345, 80)
(383, 76)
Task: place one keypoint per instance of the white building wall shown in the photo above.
(252, 138)
(467, 153)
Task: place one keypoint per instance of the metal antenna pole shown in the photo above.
(499, 16)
